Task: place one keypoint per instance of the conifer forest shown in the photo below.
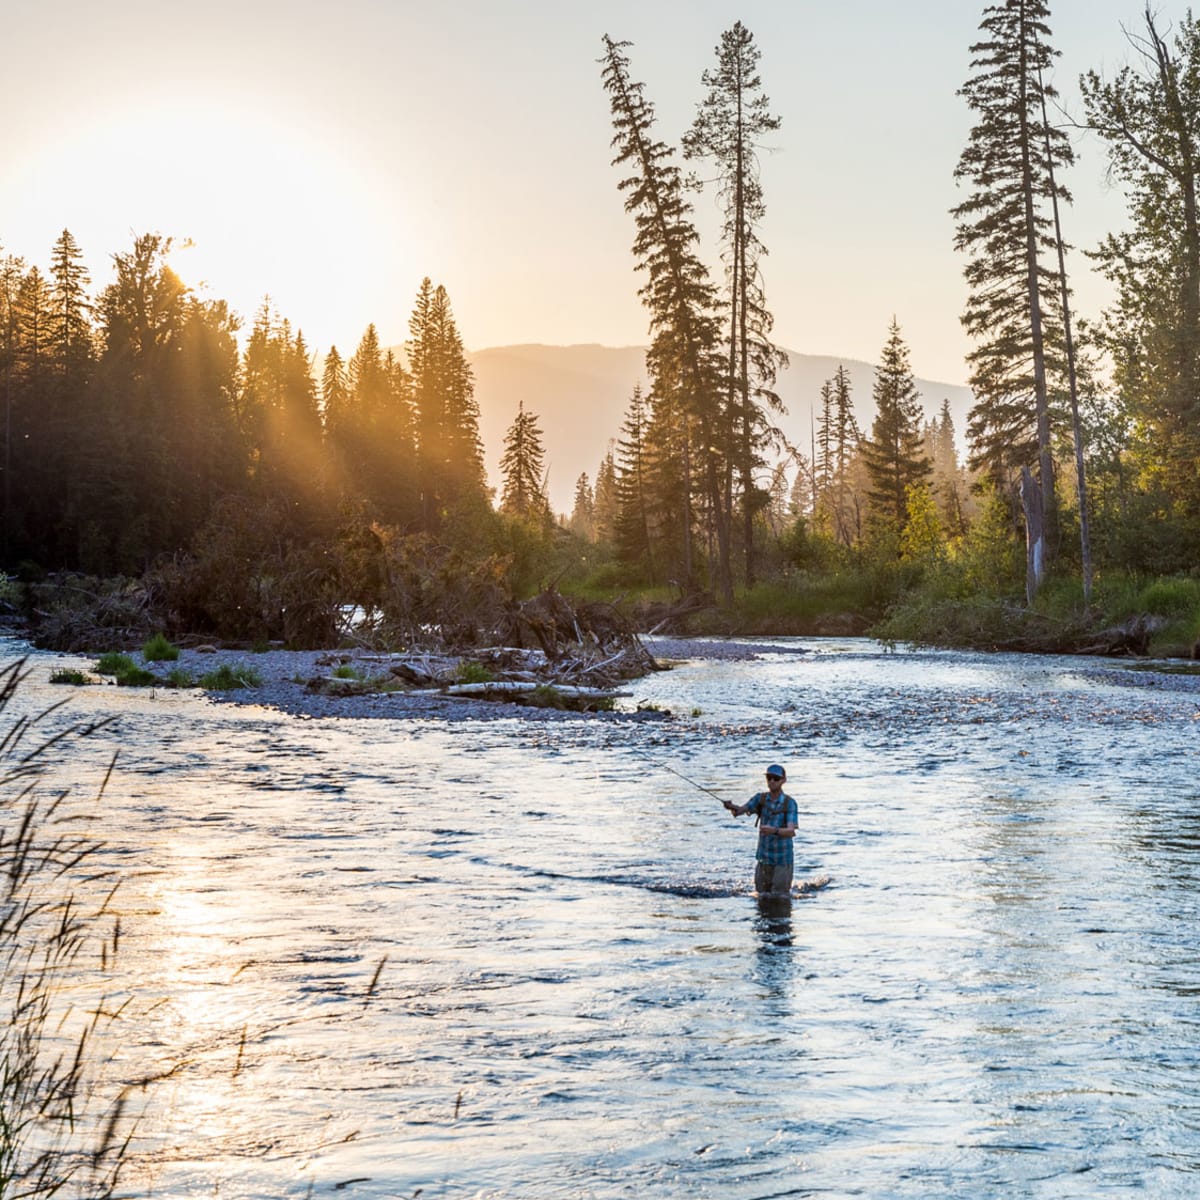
(152, 434)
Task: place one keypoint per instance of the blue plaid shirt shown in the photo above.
(774, 850)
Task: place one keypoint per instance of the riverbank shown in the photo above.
(317, 683)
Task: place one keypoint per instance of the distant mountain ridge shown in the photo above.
(580, 394)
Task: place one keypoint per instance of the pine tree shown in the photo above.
(634, 526)
(12, 271)
(1013, 308)
(606, 502)
(36, 424)
(70, 321)
(894, 455)
(170, 441)
(399, 495)
(366, 453)
(680, 299)
(728, 128)
(947, 482)
(838, 442)
(142, 314)
(450, 455)
(823, 446)
(281, 413)
(523, 466)
(583, 511)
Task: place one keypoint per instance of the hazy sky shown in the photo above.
(332, 155)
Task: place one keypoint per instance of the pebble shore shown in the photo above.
(284, 676)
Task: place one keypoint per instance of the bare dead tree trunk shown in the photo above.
(1046, 517)
(1035, 542)
(1085, 543)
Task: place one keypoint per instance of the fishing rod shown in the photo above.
(681, 775)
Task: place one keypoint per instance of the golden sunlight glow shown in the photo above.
(254, 205)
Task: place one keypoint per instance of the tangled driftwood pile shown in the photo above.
(544, 651)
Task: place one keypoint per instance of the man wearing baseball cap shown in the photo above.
(778, 817)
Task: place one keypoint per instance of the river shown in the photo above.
(516, 958)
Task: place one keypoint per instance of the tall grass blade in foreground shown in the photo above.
(57, 1135)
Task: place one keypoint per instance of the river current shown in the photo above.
(513, 958)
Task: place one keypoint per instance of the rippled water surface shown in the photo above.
(579, 997)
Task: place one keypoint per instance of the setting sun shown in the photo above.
(254, 205)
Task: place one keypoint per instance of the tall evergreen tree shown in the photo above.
(680, 299)
(335, 394)
(838, 439)
(399, 494)
(894, 453)
(70, 321)
(65, 400)
(170, 436)
(523, 468)
(824, 440)
(280, 404)
(1013, 310)
(606, 502)
(949, 488)
(37, 425)
(450, 454)
(634, 527)
(365, 454)
(728, 130)
(583, 511)
(12, 271)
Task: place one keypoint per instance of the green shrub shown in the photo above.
(473, 672)
(180, 677)
(77, 678)
(125, 671)
(158, 649)
(347, 671)
(137, 677)
(1172, 597)
(227, 679)
(115, 663)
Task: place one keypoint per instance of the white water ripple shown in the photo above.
(995, 997)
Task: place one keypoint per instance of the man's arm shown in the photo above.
(791, 817)
(740, 809)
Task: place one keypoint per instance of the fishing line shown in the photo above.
(680, 774)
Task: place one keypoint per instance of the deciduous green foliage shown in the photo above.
(728, 130)
(1148, 115)
(894, 454)
(1013, 311)
(922, 540)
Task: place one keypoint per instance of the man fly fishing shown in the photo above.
(778, 817)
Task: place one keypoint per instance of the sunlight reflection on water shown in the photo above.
(995, 997)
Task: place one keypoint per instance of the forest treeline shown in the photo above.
(143, 425)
